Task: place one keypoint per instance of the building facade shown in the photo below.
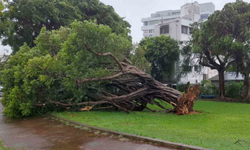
(176, 24)
(190, 12)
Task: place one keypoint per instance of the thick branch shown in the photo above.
(211, 61)
(105, 54)
(79, 104)
(220, 60)
(100, 79)
(206, 64)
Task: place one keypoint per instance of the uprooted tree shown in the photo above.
(82, 68)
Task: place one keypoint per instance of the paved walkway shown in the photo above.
(41, 133)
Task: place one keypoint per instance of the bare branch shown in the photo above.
(99, 79)
(105, 54)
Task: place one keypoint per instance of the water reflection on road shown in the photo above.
(41, 133)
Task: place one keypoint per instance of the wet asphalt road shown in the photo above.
(41, 133)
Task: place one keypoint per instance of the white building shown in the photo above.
(191, 12)
(176, 24)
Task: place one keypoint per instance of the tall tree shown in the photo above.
(162, 52)
(23, 19)
(219, 38)
(242, 58)
(241, 16)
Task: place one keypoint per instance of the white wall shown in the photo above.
(174, 28)
(191, 11)
(207, 7)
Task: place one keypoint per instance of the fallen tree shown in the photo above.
(83, 69)
(139, 88)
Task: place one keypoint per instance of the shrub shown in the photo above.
(181, 87)
(234, 89)
(208, 88)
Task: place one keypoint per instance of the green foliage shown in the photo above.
(208, 88)
(2, 146)
(181, 87)
(187, 61)
(49, 71)
(234, 89)
(186, 53)
(162, 52)
(139, 60)
(18, 25)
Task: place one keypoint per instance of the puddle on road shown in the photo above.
(42, 133)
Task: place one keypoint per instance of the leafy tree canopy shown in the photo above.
(23, 19)
(50, 71)
(219, 38)
(162, 52)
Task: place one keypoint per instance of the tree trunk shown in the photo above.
(221, 84)
(129, 88)
(134, 89)
(246, 94)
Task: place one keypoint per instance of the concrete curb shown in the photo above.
(131, 136)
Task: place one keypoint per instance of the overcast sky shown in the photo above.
(4, 49)
(135, 10)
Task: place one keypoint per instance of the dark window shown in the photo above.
(190, 30)
(197, 68)
(205, 77)
(145, 23)
(184, 29)
(164, 29)
(187, 68)
(205, 16)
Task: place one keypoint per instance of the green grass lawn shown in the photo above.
(2, 147)
(218, 127)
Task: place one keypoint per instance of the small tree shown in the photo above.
(162, 52)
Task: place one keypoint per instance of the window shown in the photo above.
(145, 31)
(153, 22)
(187, 68)
(204, 16)
(151, 31)
(184, 29)
(150, 35)
(197, 68)
(176, 13)
(190, 30)
(164, 29)
(205, 76)
(145, 23)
